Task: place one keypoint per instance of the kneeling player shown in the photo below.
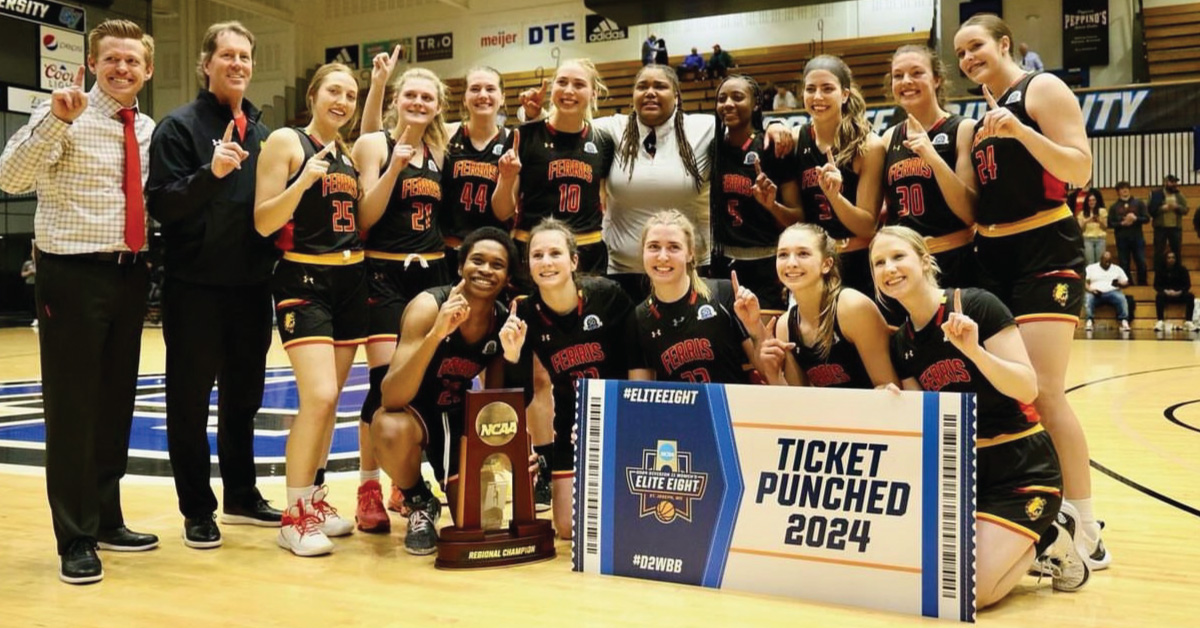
(448, 336)
(967, 341)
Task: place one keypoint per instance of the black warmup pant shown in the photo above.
(1187, 299)
(221, 333)
(90, 334)
(1164, 236)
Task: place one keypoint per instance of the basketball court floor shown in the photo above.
(1139, 402)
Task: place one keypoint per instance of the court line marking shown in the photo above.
(1170, 501)
(1170, 414)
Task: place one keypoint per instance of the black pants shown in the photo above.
(222, 333)
(1135, 247)
(1162, 237)
(1161, 300)
(90, 333)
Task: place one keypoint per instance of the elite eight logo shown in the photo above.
(665, 483)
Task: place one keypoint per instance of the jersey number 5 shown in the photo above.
(986, 164)
(731, 207)
(422, 217)
(343, 216)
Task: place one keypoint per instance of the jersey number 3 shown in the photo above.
(912, 200)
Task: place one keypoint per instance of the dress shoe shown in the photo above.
(80, 564)
(254, 513)
(201, 532)
(123, 539)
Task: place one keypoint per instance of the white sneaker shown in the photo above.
(1098, 558)
(1124, 325)
(1158, 326)
(1189, 326)
(300, 532)
(1088, 325)
(332, 524)
(1068, 568)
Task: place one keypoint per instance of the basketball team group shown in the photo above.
(657, 245)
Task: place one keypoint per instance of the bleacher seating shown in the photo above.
(1173, 42)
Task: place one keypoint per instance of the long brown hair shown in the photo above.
(315, 84)
(553, 224)
(631, 143)
(853, 128)
(936, 67)
(672, 218)
(996, 27)
(831, 287)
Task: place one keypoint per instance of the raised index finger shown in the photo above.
(958, 300)
(78, 82)
(757, 166)
(991, 100)
(736, 287)
(914, 125)
(457, 289)
(542, 89)
(325, 151)
(228, 137)
(406, 136)
(395, 55)
(516, 147)
(829, 155)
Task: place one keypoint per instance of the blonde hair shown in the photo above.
(435, 135)
(120, 29)
(599, 89)
(208, 45)
(918, 244)
(487, 69)
(310, 96)
(853, 128)
(832, 284)
(672, 218)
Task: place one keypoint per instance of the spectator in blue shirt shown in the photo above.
(693, 65)
(1030, 61)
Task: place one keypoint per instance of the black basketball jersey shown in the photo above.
(695, 339)
(817, 208)
(738, 219)
(468, 180)
(410, 221)
(456, 362)
(1013, 183)
(587, 342)
(927, 357)
(842, 369)
(326, 218)
(914, 199)
(561, 175)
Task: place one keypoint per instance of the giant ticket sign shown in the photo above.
(862, 498)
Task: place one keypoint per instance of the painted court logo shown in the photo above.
(665, 483)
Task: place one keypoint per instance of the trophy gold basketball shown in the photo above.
(495, 430)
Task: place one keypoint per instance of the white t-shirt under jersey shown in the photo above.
(658, 183)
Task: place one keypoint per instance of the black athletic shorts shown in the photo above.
(1038, 273)
(391, 285)
(443, 427)
(1020, 483)
(759, 275)
(318, 303)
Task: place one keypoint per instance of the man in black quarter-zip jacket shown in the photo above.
(216, 301)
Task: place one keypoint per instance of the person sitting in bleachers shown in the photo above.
(1104, 282)
(1173, 284)
(692, 66)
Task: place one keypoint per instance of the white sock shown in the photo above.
(365, 476)
(297, 493)
(1087, 520)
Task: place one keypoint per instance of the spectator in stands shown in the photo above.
(1104, 283)
(1077, 196)
(693, 66)
(719, 63)
(649, 49)
(1173, 284)
(660, 52)
(1167, 208)
(766, 100)
(1126, 218)
(1092, 220)
(1029, 60)
(784, 99)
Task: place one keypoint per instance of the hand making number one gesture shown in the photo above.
(228, 155)
(512, 334)
(960, 330)
(67, 103)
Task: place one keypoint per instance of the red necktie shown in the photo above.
(135, 210)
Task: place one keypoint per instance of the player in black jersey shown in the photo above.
(690, 329)
(754, 194)
(833, 336)
(835, 151)
(308, 193)
(966, 341)
(450, 335)
(572, 327)
(560, 168)
(401, 173)
(1030, 248)
(928, 179)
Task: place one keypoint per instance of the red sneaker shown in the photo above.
(396, 502)
(370, 515)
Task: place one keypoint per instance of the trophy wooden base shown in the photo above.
(477, 549)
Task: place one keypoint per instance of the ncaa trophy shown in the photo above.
(495, 426)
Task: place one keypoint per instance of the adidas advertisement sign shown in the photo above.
(600, 28)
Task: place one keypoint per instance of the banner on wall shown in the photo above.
(600, 29)
(502, 36)
(46, 12)
(435, 47)
(371, 49)
(1085, 33)
(1121, 111)
(840, 496)
(61, 45)
(347, 55)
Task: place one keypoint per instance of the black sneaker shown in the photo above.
(421, 538)
(123, 539)
(541, 487)
(201, 532)
(80, 564)
(255, 513)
